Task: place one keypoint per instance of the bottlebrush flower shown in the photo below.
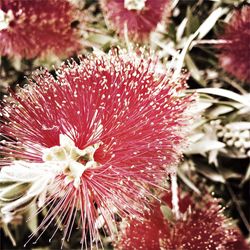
(234, 54)
(32, 28)
(201, 226)
(104, 132)
(138, 17)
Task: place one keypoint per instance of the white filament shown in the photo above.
(175, 199)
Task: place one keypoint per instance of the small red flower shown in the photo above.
(234, 54)
(201, 226)
(139, 17)
(104, 131)
(239, 243)
(32, 28)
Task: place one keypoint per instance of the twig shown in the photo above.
(235, 85)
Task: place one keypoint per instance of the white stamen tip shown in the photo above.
(134, 4)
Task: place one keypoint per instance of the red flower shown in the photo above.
(234, 54)
(201, 226)
(141, 17)
(105, 131)
(239, 243)
(31, 28)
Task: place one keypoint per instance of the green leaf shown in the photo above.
(247, 176)
(33, 220)
(204, 146)
(181, 29)
(5, 183)
(14, 192)
(8, 233)
(18, 204)
(192, 22)
(209, 23)
(187, 181)
(220, 110)
(195, 72)
(225, 93)
(210, 173)
(99, 38)
(171, 31)
(203, 104)
(167, 212)
(196, 137)
(229, 174)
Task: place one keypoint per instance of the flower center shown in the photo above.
(5, 19)
(134, 4)
(73, 160)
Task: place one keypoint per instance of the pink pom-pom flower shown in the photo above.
(136, 17)
(201, 225)
(98, 137)
(33, 28)
(235, 52)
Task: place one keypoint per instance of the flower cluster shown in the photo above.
(201, 226)
(234, 54)
(136, 17)
(103, 133)
(32, 28)
(234, 135)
